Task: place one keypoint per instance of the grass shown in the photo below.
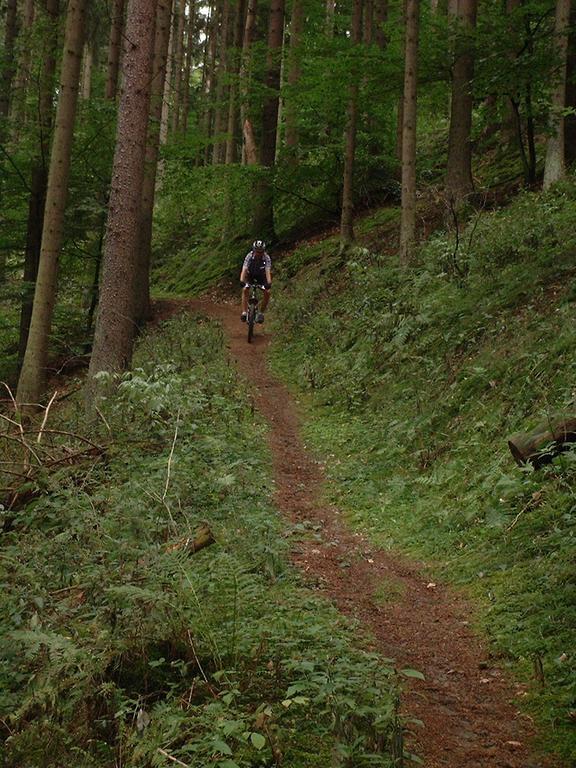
(413, 383)
(118, 645)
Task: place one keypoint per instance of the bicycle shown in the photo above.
(253, 301)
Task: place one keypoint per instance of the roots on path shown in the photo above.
(466, 702)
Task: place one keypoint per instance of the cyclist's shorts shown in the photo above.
(258, 277)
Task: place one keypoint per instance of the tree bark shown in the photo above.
(547, 440)
(23, 73)
(218, 147)
(87, 65)
(294, 74)
(33, 373)
(7, 68)
(164, 121)
(39, 173)
(459, 182)
(191, 28)
(347, 217)
(142, 279)
(232, 126)
(249, 151)
(210, 83)
(178, 66)
(555, 166)
(408, 215)
(570, 120)
(329, 18)
(381, 17)
(114, 45)
(115, 327)
(264, 203)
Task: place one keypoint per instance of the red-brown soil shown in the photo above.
(466, 703)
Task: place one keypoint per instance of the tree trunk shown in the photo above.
(115, 327)
(347, 217)
(232, 127)
(570, 120)
(7, 68)
(142, 279)
(555, 167)
(381, 17)
(408, 216)
(210, 84)
(329, 18)
(178, 66)
(459, 182)
(249, 152)
(264, 203)
(294, 73)
(547, 440)
(114, 45)
(87, 65)
(164, 121)
(33, 373)
(23, 73)
(218, 146)
(188, 68)
(39, 173)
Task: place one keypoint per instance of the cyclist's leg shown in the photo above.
(265, 300)
(245, 294)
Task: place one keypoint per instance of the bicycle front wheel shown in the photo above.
(250, 323)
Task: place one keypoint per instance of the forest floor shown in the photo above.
(466, 703)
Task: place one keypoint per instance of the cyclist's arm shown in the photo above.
(244, 275)
(269, 276)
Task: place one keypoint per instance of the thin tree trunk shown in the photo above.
(167, 86)
(210, 85)
(142, 280)
(114, 45)
(570, 120)
(39, 173)
(23, 73)
(178, 65)
(264, 214)
(33, 373)
(408, 216)
(380, 18)
(87, 65)
(188, 68)
(249, 152)
(220, 110)
(115, 327)
(555, 167)
(7, 68)
(329, 18)
(294, 74)
(232, 127)
(459, 182)
(347, 217)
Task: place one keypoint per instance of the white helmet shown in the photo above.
(259, 245)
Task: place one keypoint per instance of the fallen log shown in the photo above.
(202, 539)
(544, 442)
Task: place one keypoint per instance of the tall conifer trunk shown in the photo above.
(23, 74)
(555, 167)
(294, 73)
(570, 120)
(142, 279)
(114, 45)
(191, 29)
(7, 68)
(249, 149)
(408, 215)
(264, 213)
(459, 182)
(115, 326)
(218, 148)
(232, 123)
(34, 367)
(178, 65)
(39, 173)
(347, 217)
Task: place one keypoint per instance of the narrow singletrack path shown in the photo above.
(466, 702)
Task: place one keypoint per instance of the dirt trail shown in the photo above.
(465, 703)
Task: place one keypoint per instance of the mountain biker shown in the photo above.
(257, 270)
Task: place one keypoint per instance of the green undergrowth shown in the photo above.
(121, 646)
(413, 381)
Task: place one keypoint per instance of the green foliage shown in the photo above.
(116, 640)
(415, 380)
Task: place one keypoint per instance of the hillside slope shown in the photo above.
(414, 381)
